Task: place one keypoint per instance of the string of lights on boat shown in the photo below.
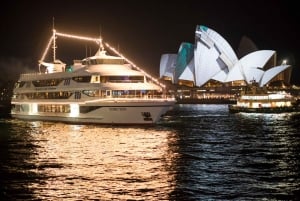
(99, 42)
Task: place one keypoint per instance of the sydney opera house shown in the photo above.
(211, 64)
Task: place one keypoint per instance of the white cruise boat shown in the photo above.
(258, 100)
(101, 89)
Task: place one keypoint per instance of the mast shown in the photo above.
(54, 42)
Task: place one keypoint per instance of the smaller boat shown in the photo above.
(259, 100)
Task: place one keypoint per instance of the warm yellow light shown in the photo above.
(98, 41)
(135, 66)
(47, 49)
(74, 110)
(284, 62)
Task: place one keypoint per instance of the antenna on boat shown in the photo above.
(48, 46)
(101, 40)
(54, 41)
(101, 44)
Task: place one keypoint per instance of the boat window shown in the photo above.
(45, 83)
(93, 61)
(91, 93)
(82, 78)
(49, 95)
(118, 61)
(54, 108)
(122, 79)
(24, 108)
(110, 61)
(130, 93)
(95, 79)
(21, 84)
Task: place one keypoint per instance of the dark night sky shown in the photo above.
(143, 30)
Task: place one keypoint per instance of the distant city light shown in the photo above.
(284, 62)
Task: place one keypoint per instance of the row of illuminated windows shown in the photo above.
(43, 108)
(117, 93)
(117, 61)
(53, 108)
(83, 79)
(46, 95)
(91, 93)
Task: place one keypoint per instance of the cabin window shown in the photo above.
(45, 83)
(91, 93)
(95, 79)
(82, 78)
(122, 79)
(20, 84)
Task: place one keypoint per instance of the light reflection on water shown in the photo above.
(102, 162)
(197, 152)
(96, 162)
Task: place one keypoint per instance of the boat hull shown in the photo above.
(237, 109)
(103, 113)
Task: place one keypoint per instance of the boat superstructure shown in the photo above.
(102, 89)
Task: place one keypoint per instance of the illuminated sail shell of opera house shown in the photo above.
(167, 66)
(251, 67)
(212, 58)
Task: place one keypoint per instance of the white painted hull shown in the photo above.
(145, 112)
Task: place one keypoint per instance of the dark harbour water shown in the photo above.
(196, 152)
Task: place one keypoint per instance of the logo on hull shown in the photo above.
(147, 116)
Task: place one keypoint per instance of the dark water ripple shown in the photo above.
(197, 152)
